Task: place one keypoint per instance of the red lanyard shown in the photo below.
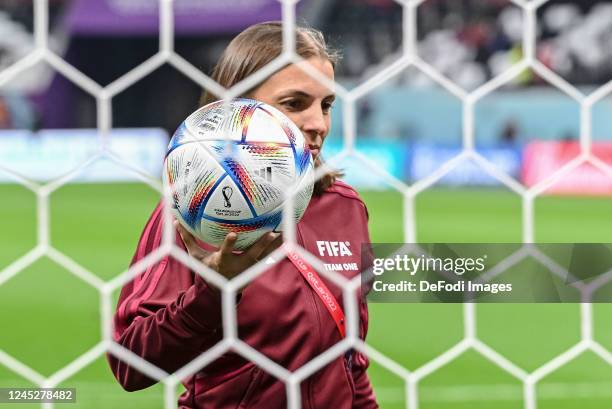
(328, 299)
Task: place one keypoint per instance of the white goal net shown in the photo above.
(409, 58)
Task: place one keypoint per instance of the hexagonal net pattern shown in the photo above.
(409, 57)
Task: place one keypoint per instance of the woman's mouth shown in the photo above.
(314, 150)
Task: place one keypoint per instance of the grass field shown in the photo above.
(48, 317)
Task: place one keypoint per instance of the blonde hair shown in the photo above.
(256, 47)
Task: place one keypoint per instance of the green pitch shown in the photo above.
(48, 317)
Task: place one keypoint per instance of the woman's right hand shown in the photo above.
(224, 260)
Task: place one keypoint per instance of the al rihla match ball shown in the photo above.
(228, 167)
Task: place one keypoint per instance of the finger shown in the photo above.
(257, 249)
(228, 243)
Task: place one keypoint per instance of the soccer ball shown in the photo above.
(228, 167)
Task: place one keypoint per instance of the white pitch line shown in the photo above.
(498, 392)
(109, 390)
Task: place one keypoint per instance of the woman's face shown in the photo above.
(304, 100)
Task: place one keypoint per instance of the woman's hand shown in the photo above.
(224, 261)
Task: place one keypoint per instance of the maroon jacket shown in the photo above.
(169, 315)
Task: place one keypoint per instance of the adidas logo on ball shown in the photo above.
(264, 173)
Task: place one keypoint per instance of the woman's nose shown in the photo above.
(314, 127)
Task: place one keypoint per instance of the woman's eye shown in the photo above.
(291, 104)
(327, 106)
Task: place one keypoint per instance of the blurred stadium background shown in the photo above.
(409, 125)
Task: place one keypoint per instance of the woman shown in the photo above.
(168, 315)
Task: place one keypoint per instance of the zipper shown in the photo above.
(313, 301)
(251, 388)
(349, 375)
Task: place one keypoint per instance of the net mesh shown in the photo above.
(409, 58)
